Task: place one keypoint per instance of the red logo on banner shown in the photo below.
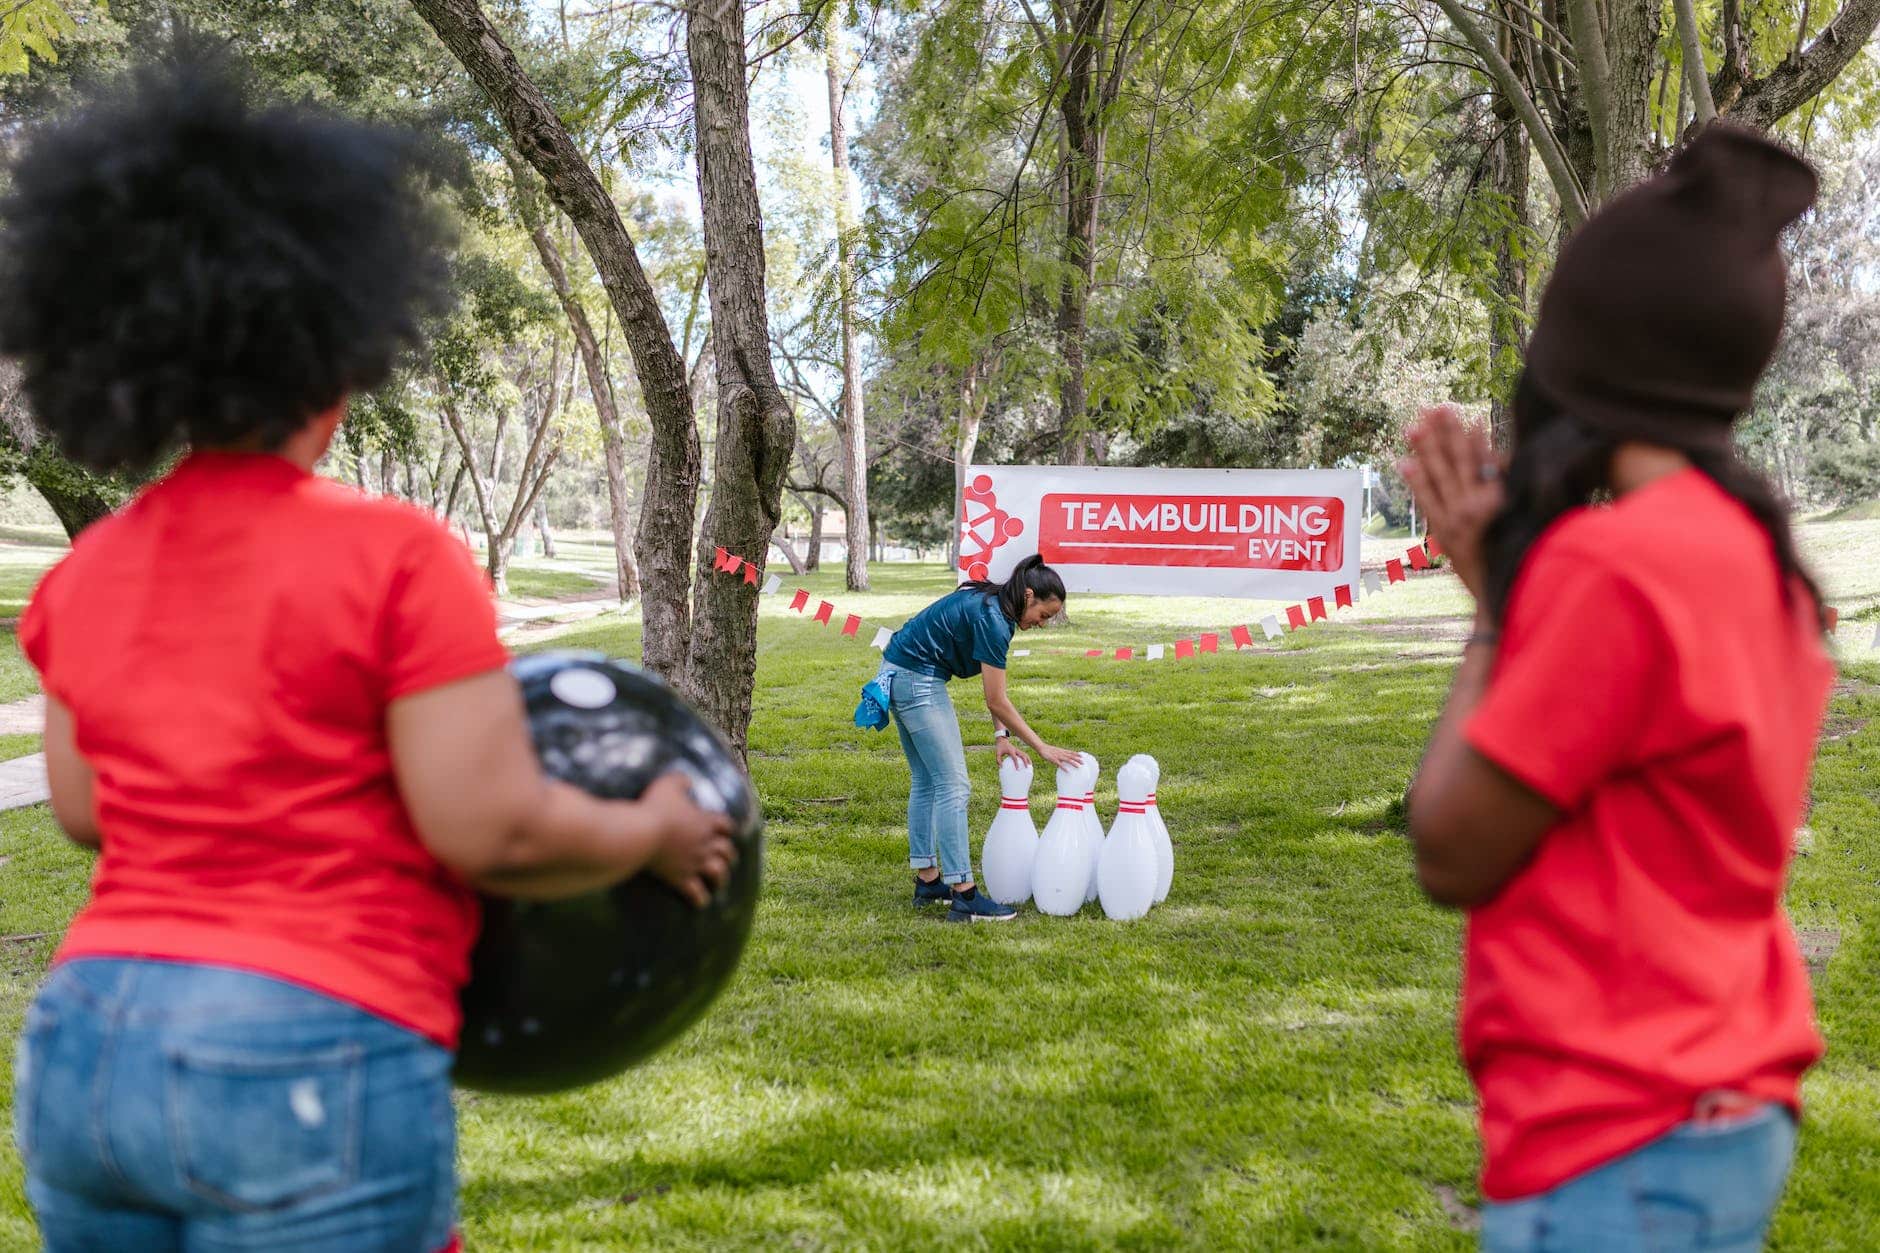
(1236, 532)
(983, 527)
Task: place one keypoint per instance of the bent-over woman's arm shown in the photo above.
(1005, 713)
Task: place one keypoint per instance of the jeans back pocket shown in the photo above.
(258, 1129)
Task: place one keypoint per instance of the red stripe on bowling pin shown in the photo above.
(1006, 802)
(1133, 809)
(1069, 802)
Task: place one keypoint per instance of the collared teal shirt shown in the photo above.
(953, 637)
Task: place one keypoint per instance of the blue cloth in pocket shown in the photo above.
(872, 712)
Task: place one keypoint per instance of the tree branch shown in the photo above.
(1589, 52)
(1566, 186)
(1695, 71)
(455, 422)
(1798, 80)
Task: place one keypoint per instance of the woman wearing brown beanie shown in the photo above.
(1613, 787)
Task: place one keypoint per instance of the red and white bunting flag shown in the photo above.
(882, 636)
(750, 574)
(1373, 582)
(823, 610)
(1186, 648)
(1394, 569)
(851, 625)
(1419, 560)
(1295, 617)
(1834, 618)
(1341, 597)
(1093, 653)
(1270, 625)
(1243, 638)
(721, 560)
(1316, 607)
(798, 601)
(1210, 643)
(1155, 652)
(772, 583)
(1125, 654)
(1436, 550)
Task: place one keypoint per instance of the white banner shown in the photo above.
(1258, 534)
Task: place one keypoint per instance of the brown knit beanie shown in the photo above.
(1665, 307)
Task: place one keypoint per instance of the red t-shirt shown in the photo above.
(1655, 685)
(228, 644)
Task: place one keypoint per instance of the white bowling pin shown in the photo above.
(1059, 872)
(1164, 848)
(1126, 872)
(1093, 825)
(1011, 846)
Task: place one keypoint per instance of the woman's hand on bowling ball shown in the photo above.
(1062, 758)
(695, 850)
(1456, 478)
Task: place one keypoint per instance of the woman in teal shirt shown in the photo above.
(964, 633)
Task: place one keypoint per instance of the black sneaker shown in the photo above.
(934, 893)
(976, 906)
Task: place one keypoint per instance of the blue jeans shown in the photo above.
(936, 801)
(163, 1106)
(1710, 1186)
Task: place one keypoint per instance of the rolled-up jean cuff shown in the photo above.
(923, 863)
(952, 880)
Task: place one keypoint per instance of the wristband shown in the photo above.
(1001, 734)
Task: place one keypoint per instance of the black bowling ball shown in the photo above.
(564, 993)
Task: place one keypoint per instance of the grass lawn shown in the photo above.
(1266, 1061)
(534, 583)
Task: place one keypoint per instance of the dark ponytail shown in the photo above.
(1032, 575)
(1561, 463)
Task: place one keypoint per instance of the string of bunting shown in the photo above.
(1272, 626)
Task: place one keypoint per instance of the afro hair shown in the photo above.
(180, 264)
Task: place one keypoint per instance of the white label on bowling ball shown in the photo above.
(583, 689)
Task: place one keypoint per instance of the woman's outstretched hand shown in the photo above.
(1008, 748)
(1456, 478)
(1062, 758)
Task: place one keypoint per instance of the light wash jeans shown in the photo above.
(165, 1107)
(1709, 1186)
(936, 801)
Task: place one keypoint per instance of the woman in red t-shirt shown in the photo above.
(276, 706)
(1613, 788)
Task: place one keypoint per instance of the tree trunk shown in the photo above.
(496, 550)
(542, 529)
(1633, 29)
(812, 559)
(756, 429)
(668, 505)
(789, 554)
(77, 497)
(600, 385)
(965, 441)
(1083, 135)
(850, 427)
(624, 568)
(1508, 172)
